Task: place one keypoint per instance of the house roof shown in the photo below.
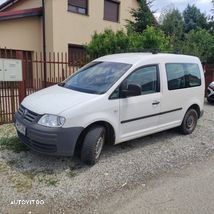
(8, 3)
(21, 13)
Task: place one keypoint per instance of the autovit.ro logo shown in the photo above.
(27, 202)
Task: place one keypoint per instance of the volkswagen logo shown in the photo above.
(25, 112)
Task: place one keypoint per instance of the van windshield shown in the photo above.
(96, 77)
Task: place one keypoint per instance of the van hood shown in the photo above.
(55, 99)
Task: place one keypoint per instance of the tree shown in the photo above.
(193, 19)
(199, 43)
(142, 17)
(154, 38)
(173, 26)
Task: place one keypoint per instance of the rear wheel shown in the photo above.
(93, 144)
(189, 122)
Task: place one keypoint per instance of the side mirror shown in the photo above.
(131, 91)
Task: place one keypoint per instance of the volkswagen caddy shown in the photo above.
(113, 99)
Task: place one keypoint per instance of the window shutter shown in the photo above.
(78, 3)
(111, 10)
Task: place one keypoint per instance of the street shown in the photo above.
(188, 191)
(163, 173)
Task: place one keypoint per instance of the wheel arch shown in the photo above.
(195, 107)
(110, 134)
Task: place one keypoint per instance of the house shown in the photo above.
(58, 25)
(59, 28)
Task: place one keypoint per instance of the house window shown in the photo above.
(111, 10)
(76, 55)
(78, 6)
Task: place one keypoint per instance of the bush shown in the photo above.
(110, 42)
(107, 42)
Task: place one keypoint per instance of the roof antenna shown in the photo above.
(155, 51)
(177, 51)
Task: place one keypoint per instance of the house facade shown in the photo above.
(59, 25)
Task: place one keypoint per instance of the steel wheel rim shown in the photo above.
(190, 122)
(99, 146)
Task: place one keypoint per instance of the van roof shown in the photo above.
(135, 58)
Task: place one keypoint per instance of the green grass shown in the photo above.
(51, 182)
(71, 174)
(21, 182)
(2, 117)
(48, 177)
(12, 162)
(13, 144)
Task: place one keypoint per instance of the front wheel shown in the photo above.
(189, 122)
(93, 144)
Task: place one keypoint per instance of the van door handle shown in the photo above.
(155, 103)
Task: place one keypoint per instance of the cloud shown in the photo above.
(203, 1)
(159, 5)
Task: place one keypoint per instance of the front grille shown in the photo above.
(21, 110)
(212, 96)
(208, 91)
(27, 114)
(36, 146)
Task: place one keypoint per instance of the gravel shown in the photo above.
(65, 184)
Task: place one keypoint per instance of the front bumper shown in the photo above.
(210, 94)
(211, 97)
(52, 141)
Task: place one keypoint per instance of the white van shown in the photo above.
(113, 99)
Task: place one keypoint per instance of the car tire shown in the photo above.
(93, 144)
(189, 122)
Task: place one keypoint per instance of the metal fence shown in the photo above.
(37, 74)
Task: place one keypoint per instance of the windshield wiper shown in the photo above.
(61, 84)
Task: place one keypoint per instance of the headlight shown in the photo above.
(50, 120)
(211, 85)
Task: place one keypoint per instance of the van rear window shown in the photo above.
(182, 75)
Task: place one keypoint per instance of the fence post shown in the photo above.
(22, 85)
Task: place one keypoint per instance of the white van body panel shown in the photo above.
(96, 110)
(55, 99)
(137, 107)
(181, 98)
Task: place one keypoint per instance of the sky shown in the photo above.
(1, 1)
(160, 5)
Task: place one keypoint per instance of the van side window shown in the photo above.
(194, 75)
(182, 75)
(175, 76)
(147, 78)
